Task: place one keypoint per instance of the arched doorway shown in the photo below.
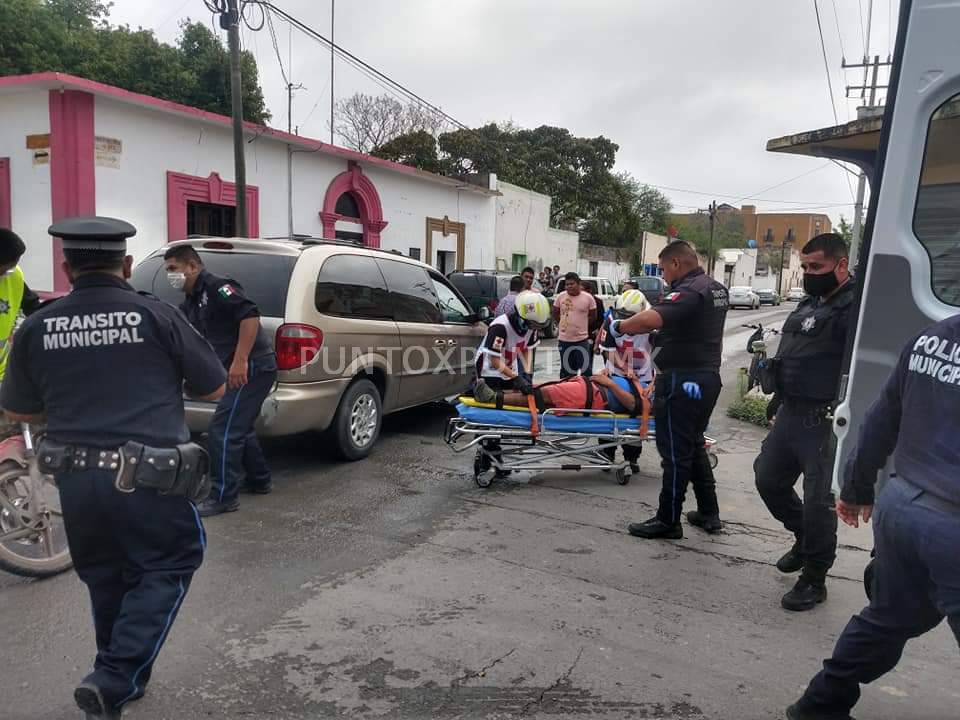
(352, 209)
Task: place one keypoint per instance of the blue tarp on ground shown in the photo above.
(554, 423)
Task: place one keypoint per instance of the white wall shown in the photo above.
(155, 142)
(25, 111)
(652, 244)
(613, 271)
(408, 202)
(523, 228)
(744, 267)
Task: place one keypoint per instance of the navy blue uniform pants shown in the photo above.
(799, 444)
(232, 442)
(681, 420)
(136, 553)
(916, 584)
(576, 358)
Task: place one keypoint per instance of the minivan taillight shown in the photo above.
(296, 345)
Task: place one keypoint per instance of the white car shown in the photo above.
(605, 289)
(743, 296)
(796, 294)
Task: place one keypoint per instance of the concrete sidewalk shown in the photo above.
(531, 599)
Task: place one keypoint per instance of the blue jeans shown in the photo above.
(576, 358)
(916, 584)
(232, 443)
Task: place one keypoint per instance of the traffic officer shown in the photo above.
(687, 356)
(220, 312)
(805, 374)
(104, 368)
(916, 581)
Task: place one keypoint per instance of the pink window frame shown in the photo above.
(182, 188)
(353, 181)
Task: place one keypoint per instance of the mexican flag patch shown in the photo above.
(672, 297)
(226, 291)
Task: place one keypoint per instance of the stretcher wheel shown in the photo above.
(714, 460)
(482, 475)
(622, 477)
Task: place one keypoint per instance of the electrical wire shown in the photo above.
(826, 63)
(756, 195)
(836, 17)
(863, 35)
(276, 45)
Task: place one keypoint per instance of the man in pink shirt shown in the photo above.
(574, 311)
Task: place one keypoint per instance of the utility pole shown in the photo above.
(863, 112)
(290, 88)
(783, 250)
(333, 11)
(230, 21)
(713, 218)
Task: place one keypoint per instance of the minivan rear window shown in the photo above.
(473, 285)
(264, 278)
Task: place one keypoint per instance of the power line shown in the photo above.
(785, 182)
(836, 17)
(863, 36)
(826, 64)
(276, 45)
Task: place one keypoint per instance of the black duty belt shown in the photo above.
(179, 471)
(924, 498)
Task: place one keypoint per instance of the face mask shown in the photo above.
(820, 285)
(177, 280)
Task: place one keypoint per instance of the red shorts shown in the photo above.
(572, 394)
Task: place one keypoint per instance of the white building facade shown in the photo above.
(70, 146)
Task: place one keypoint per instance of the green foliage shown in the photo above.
(74, 36)
(418, 149)
(845, 230)
(695, 229)
(751, 408)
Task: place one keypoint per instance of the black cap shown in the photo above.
(93, 233)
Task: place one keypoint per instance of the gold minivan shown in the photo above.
(359, 333)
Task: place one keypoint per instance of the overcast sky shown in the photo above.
(691, 90)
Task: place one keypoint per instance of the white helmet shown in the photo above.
(630, 302)
(534, 309)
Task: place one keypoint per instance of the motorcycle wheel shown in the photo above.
(33, 542)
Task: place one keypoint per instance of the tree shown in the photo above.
(418, 149)
(74, 36)
(620, 218)
(728, 231)
(366, 123)
(845, 230)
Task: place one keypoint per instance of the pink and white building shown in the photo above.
(70, 146)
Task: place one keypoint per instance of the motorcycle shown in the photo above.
(33, 540)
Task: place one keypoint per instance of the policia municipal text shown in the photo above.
(118, 448)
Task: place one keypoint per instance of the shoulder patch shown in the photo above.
(672, 297)
(226, 291)
(498, 343)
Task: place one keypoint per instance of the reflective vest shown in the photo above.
(11, 296)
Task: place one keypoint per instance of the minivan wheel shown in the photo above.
(356, 426)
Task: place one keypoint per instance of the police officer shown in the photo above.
(916, 580)
(805, 373)
(687, 355)
(104, 368)
(220, 311)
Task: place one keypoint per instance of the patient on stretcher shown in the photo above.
(602, 391)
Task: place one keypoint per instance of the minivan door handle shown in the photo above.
(452, 342)
(439, 342)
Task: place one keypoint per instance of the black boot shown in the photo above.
(708, 523)
(655, 528)
(89, 699)
(805, 595)
(792, 560)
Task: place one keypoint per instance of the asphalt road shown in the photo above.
(394, 588)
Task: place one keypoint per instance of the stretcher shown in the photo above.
(514, 438)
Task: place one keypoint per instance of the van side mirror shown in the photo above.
(483, 313)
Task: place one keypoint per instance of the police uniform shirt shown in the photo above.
(693, 314)
(215, 307)
(918, 413)
(106, 365)
(812, 344)
(634, 350)
(504, 342)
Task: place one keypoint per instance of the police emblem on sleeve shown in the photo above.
(498, 343)
(4, 307)
(807, 325)
(226, 291)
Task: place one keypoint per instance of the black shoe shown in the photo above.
(655, 528)
(214, 507)
(708, 523)
(795, 713)
(89, 699)
(634, 469)
(257, 488)
(805, 595)
(792, 560)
